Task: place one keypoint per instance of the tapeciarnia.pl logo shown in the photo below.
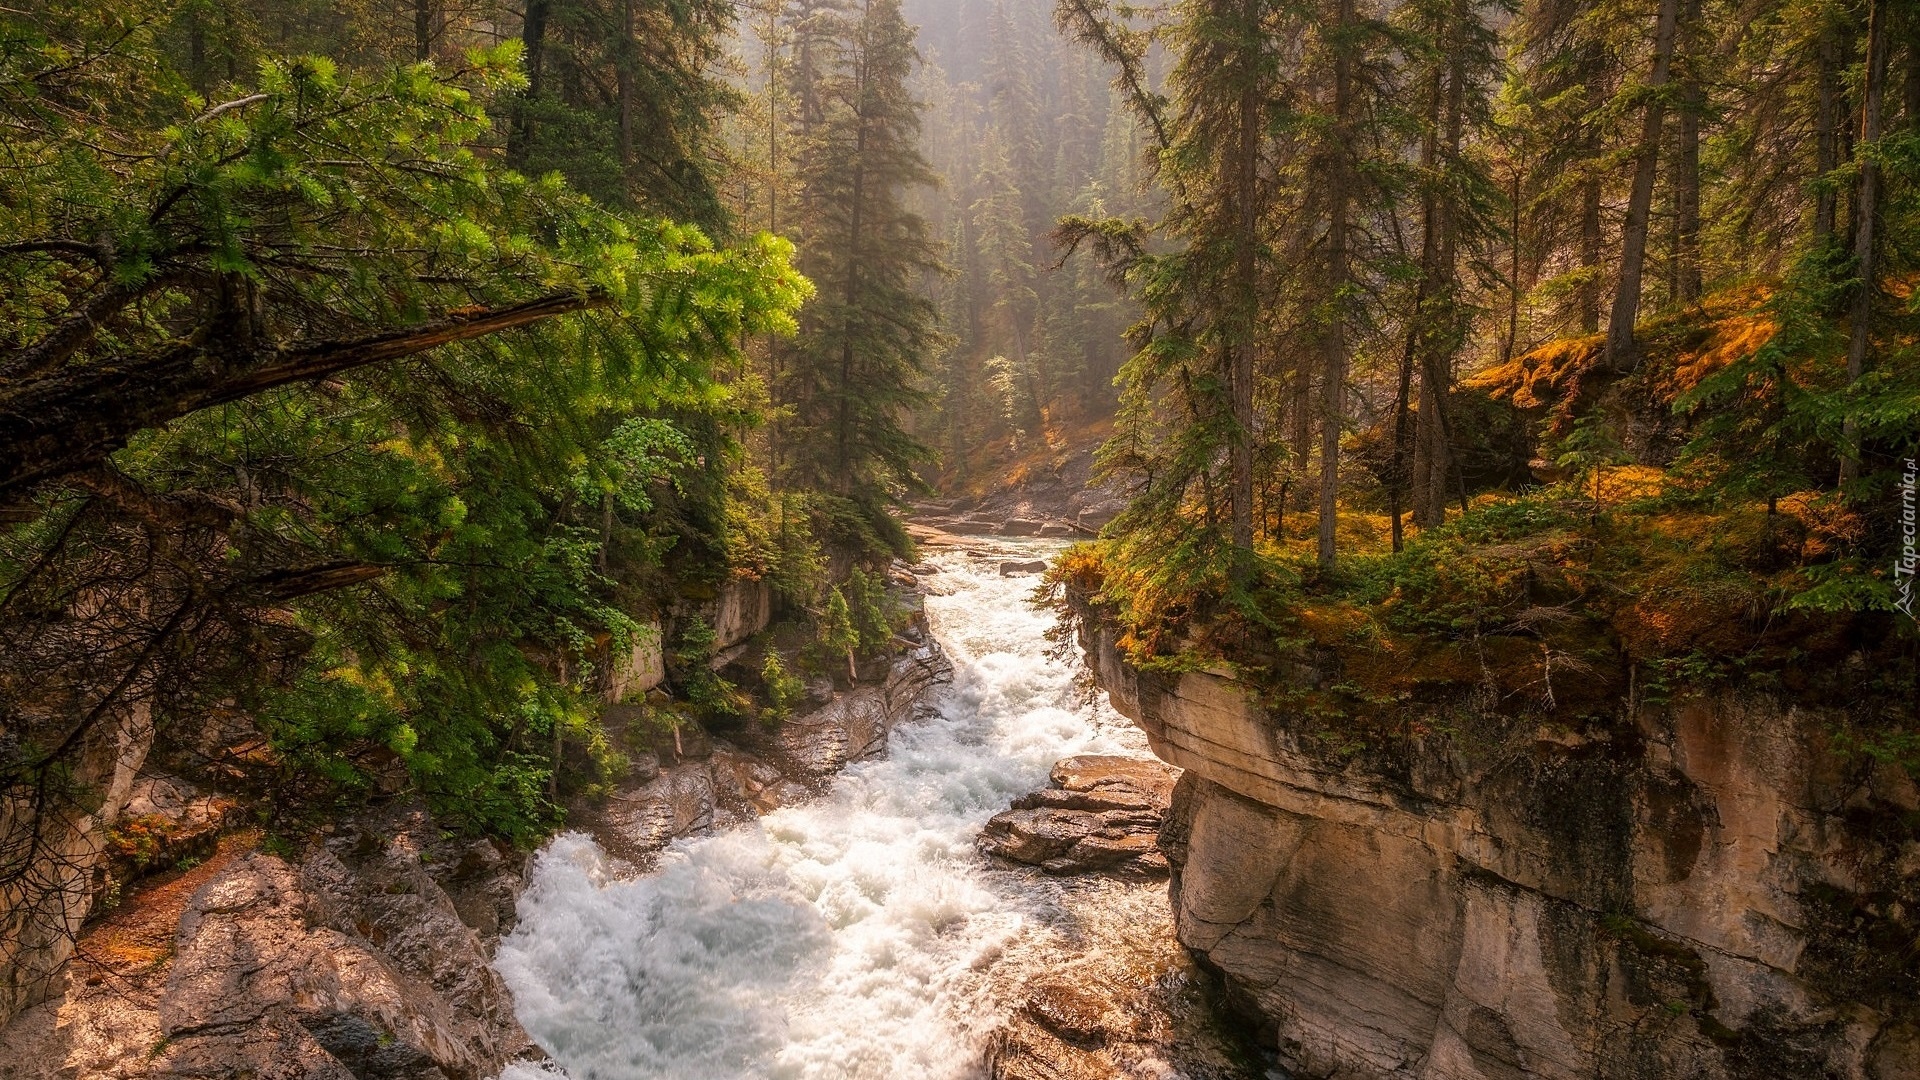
(1909, 550)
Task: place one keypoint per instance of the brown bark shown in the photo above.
(1439, 337)
(1622, 354)
(533, 38)
(1591, 237)
(422, 29)
(1686, 170)
(623, 77)
(1334, 360)
(1300, 433)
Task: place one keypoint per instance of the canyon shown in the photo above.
(1707, 888)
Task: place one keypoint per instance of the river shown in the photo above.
(855, 937)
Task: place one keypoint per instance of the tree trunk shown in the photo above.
(422, 29)
(533, 36)
(1240, 373)
(624, 61)
(1440, 336)
(1622, 354)
(1334, 370)
(72, 419)
(1511, 345)
(1591, 237)
(1867, 209)
(1686, 169)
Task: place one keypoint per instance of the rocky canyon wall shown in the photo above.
(1705, 890)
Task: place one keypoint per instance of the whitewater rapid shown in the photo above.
(854, 937)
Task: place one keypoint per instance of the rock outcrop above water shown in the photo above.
(1099, 814)
(1704, 890)
(364, 957)
(366, 953)
(701, 782)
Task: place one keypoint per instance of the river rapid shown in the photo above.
(858, 936)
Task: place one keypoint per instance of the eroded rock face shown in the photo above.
(65, 842)
(355, 961)
(1099, 813)
(1696, 896)
(710, 782)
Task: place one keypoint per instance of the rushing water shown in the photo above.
(855, 937)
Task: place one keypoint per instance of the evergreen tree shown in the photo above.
(854, 372)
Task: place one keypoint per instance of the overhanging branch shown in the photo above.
(63, 421)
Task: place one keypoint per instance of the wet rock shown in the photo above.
(855, 725)
(1109, 1017)
(1022, 527)
(1101, 814)
(715, 782)
(1070, 1011)
(1016, 567)
(1036, 836)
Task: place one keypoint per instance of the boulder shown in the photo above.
(1016, 567)
(1102, 813)
(277, 973)
(1022, 527)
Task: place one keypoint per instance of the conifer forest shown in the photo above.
(446, 443)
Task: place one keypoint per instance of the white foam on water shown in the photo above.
(849, 938)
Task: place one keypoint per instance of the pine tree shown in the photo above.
(1005, 251)
(1454, 69)
(855, 370)
(623, 97)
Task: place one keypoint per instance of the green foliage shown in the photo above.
(410, 564)
(784, 689)
(641, 452)
(837, 633)
(625, 100)
(866, 595)
(690, 662)
(846, 381)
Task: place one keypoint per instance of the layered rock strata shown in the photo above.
(1099, 813)
(1704, 890)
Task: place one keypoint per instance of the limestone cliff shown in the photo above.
(1703, 890)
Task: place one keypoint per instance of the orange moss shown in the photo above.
(1541, 377)
(1331, 623)
(1827, 521)
(1726, 327)
(1617, 483)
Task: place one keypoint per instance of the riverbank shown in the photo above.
(359, 943)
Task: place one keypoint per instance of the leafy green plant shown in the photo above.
(837, 633)
(784, 689)
(867, 597)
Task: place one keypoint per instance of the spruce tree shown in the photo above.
(855, 369)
